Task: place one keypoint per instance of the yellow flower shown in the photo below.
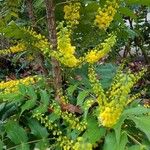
(113, 102)
(65, 51)
(41, 42)
(72, 14)
(101, 50)
(92, 57)
(109, 116)
(105, 15)
(81, 144)
(13, 49)
(12, 85)
(18, 48)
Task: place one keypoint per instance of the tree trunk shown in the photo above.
(50, 12)
(31, 12)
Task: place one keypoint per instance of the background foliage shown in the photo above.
(32, 118)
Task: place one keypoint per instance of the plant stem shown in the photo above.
(30, 142)
(131, 137)
(56, 70)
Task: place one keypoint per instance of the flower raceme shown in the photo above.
(106, 14)
(101, 50)
(13, 49)
(65, 51)
(40, 41)
(72, 14)
(12, 85)
(113, 102)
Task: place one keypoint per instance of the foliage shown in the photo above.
(98, 106)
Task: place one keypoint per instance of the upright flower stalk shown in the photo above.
(106, 14)
(113, 102)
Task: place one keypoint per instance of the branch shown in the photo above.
(62, 3)
(30, 142)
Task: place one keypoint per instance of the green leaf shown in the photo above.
(93, 133)
(28, 105)
(106, 72)
(135, 147)
(44, 97)
(82, 95)
(143, 123)
(71, 89)
(2, 106)
(16, 133)
(43, 144)
(11, 97)
(44, 102)
(131, 33)
(7, 111)
(139, 2)
(23, 146)
(22, 89)
(31, 92)
(110, 142)
(123, 142)
(37, 129)
(1, 145)
(127, 12)
(117, 128)
(140, 110)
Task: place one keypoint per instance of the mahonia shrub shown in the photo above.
(113, 102)
(84, 115)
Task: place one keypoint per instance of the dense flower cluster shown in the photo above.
(79, 144)
(101, 50)
(13, 49)
(12, 85)
(40, 42)
(73, 121)
(113, 102)
(106, 14)
(65, 51)
(48, 123)
(65, 143)
(72, 14)
(82, 145)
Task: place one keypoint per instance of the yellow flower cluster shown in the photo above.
(65, 51)
(65, 143)
(14, 49)
(79, 144)
(88, 103)
(73, 121)
(12, 85)
(40, 42)
(72, 14)
(105, 15)
(113, 102)
(101, 50)
(97, 87)
(110, 115)
(47, 123)
(82, 145)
